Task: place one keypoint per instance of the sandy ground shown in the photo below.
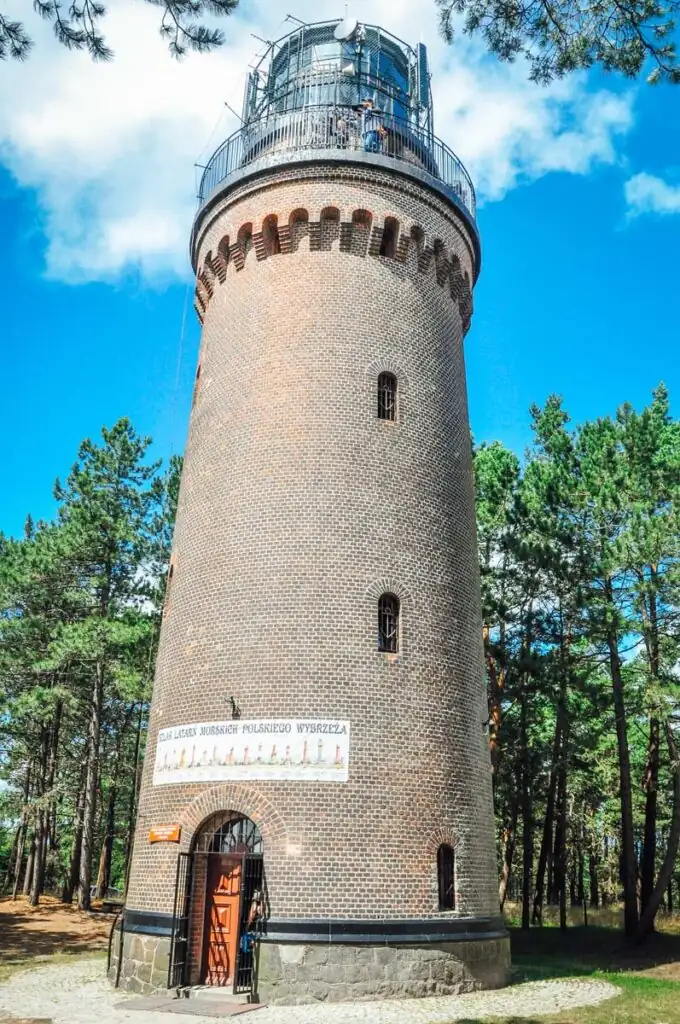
(29, 934)
(78, 993)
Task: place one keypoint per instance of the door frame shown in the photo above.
(188, 922)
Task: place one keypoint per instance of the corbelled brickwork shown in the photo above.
(298, 508)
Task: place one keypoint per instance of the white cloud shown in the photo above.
(647, 194)
(109, 149)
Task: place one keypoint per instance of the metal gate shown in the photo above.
(252, 895)
(179, 941)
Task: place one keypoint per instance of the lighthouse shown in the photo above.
(315, 818)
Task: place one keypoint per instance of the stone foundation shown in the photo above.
(145, 962)
(291, 973)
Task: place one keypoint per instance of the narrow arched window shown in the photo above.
(270, 235)
(388, 623)
(197, 382)
(387, 396)
(388, 243)
(446, 877)
(245, 239)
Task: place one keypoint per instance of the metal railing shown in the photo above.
(273, 139)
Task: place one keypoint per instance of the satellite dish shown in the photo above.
(346, 29)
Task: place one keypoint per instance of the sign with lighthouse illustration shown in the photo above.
(311, 750)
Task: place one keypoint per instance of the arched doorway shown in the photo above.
(228, 858)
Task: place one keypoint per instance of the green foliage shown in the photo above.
(579, 558)
(558, 38)
(78, 27)
(80, 607)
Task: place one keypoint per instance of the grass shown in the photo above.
(647, 976)
(8, 968)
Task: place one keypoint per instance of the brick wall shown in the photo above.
(298, 507)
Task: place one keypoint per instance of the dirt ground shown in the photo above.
(28, 934)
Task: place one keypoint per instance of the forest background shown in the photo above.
(579, 554)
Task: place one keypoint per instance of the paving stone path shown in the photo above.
(80, 994)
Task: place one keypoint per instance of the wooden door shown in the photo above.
(221, 920)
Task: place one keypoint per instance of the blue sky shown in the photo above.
(580, 221)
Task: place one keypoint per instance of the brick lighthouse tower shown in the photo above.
(316, 815)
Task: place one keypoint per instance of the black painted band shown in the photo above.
(411, 931)
(146, 922)
(418, 931)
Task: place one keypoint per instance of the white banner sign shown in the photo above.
(314, 750)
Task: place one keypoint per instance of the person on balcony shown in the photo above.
(372, 128)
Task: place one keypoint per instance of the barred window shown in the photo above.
(446, 877)
(388, 623)
(229, 833)
(387, 396)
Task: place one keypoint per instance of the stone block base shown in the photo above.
(144, 966)
(291, 974)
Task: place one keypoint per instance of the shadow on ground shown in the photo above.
(31, 932)
(580, 952)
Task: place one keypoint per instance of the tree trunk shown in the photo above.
(12, 858)
(510, 837)
(76, 844)
(38, 859)
(594, 890)
(104, 872)
(560, 850)
(527, 818)
(547, 838)
(650, 619)
(651, 786)
(28, 877)
(628, 864)
(667, 869)
(134, 792)
(91, 784)
(40, 826)
(23, 828)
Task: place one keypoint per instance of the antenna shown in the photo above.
(231, 109)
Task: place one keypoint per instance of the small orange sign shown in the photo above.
(165, 834)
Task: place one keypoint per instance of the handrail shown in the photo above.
(272, 139)
(120, 915)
